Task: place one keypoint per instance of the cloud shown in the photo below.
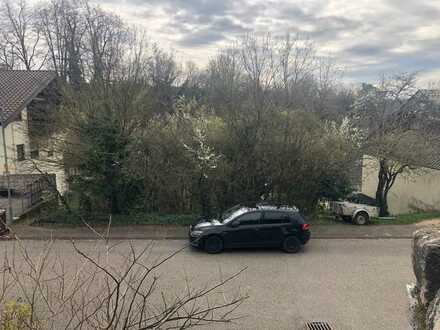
(366, 50)
(219, 29)
(197, 7)
(201, 38)
(368, 37)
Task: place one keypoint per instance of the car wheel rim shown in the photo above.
(291, 244)
(361, 219)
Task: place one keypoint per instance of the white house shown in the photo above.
(21, 93)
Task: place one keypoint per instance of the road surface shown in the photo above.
(352, 284)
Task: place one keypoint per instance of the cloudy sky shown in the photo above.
(367, 37)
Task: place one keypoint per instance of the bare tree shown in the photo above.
(297, 64)
(259, 64)
(106, 39)
(63, 28)
(137, 58)
(163, 74)
(327, 74)
(397, 147)
(91, 291)
(224, 79)
(20, 39)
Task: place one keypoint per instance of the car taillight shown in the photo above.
(305, 226)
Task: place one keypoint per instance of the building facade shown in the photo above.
(22, 94)
(415, 191)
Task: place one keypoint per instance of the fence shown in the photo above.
(26, 191)
(34, 191)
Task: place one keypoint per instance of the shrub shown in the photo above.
(18, 316)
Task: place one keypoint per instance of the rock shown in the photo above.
(413, 297)
(433, 314)
(426, 263)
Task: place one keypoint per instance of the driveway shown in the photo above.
(353, 284)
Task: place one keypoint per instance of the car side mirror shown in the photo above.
(235, 224)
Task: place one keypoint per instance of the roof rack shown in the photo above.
(257, 204)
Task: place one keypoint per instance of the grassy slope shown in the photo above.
(406, 219)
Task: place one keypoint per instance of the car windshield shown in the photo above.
(226, 214)
(359, 198)
(235, 213)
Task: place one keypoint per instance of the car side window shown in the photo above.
(251, 218)
(275, 217)
(297, 218)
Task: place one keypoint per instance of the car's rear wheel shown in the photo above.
(361, 218)
(213, 244)
(291, 244)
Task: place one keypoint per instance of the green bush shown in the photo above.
(196, 159)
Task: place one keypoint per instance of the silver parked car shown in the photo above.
(356, 208)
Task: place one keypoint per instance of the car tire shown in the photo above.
(291, 244)
(213, 244)
(361, 218)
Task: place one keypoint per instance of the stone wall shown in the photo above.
(425, 293)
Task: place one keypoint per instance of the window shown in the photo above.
(297, 218)
(20, 152)
(273, 217)
(251, 218)
(35, 154)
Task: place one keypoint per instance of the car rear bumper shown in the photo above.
(305, 236)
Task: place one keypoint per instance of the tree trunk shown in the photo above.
(204, 196)
(381, 191)
(383, 205)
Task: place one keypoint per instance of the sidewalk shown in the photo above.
(341, 231)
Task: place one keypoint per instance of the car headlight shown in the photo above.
(196, 233)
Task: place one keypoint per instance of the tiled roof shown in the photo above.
(18, 88)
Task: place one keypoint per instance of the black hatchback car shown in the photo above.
(256, 226)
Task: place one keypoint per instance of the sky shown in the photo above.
(367, 38)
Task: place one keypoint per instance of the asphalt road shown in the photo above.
(352, 284)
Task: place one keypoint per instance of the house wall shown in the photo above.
(410, 193)
(16, 133)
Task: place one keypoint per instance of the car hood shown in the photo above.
(207, 223)
(352, 205)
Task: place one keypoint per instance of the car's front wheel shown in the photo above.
(291, 244)
(213, 244)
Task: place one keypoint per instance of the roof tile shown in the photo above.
(17, 88)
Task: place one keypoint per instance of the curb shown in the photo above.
(66, 238)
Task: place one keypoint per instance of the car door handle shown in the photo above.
(257, 229)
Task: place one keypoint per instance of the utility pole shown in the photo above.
(8, 182)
